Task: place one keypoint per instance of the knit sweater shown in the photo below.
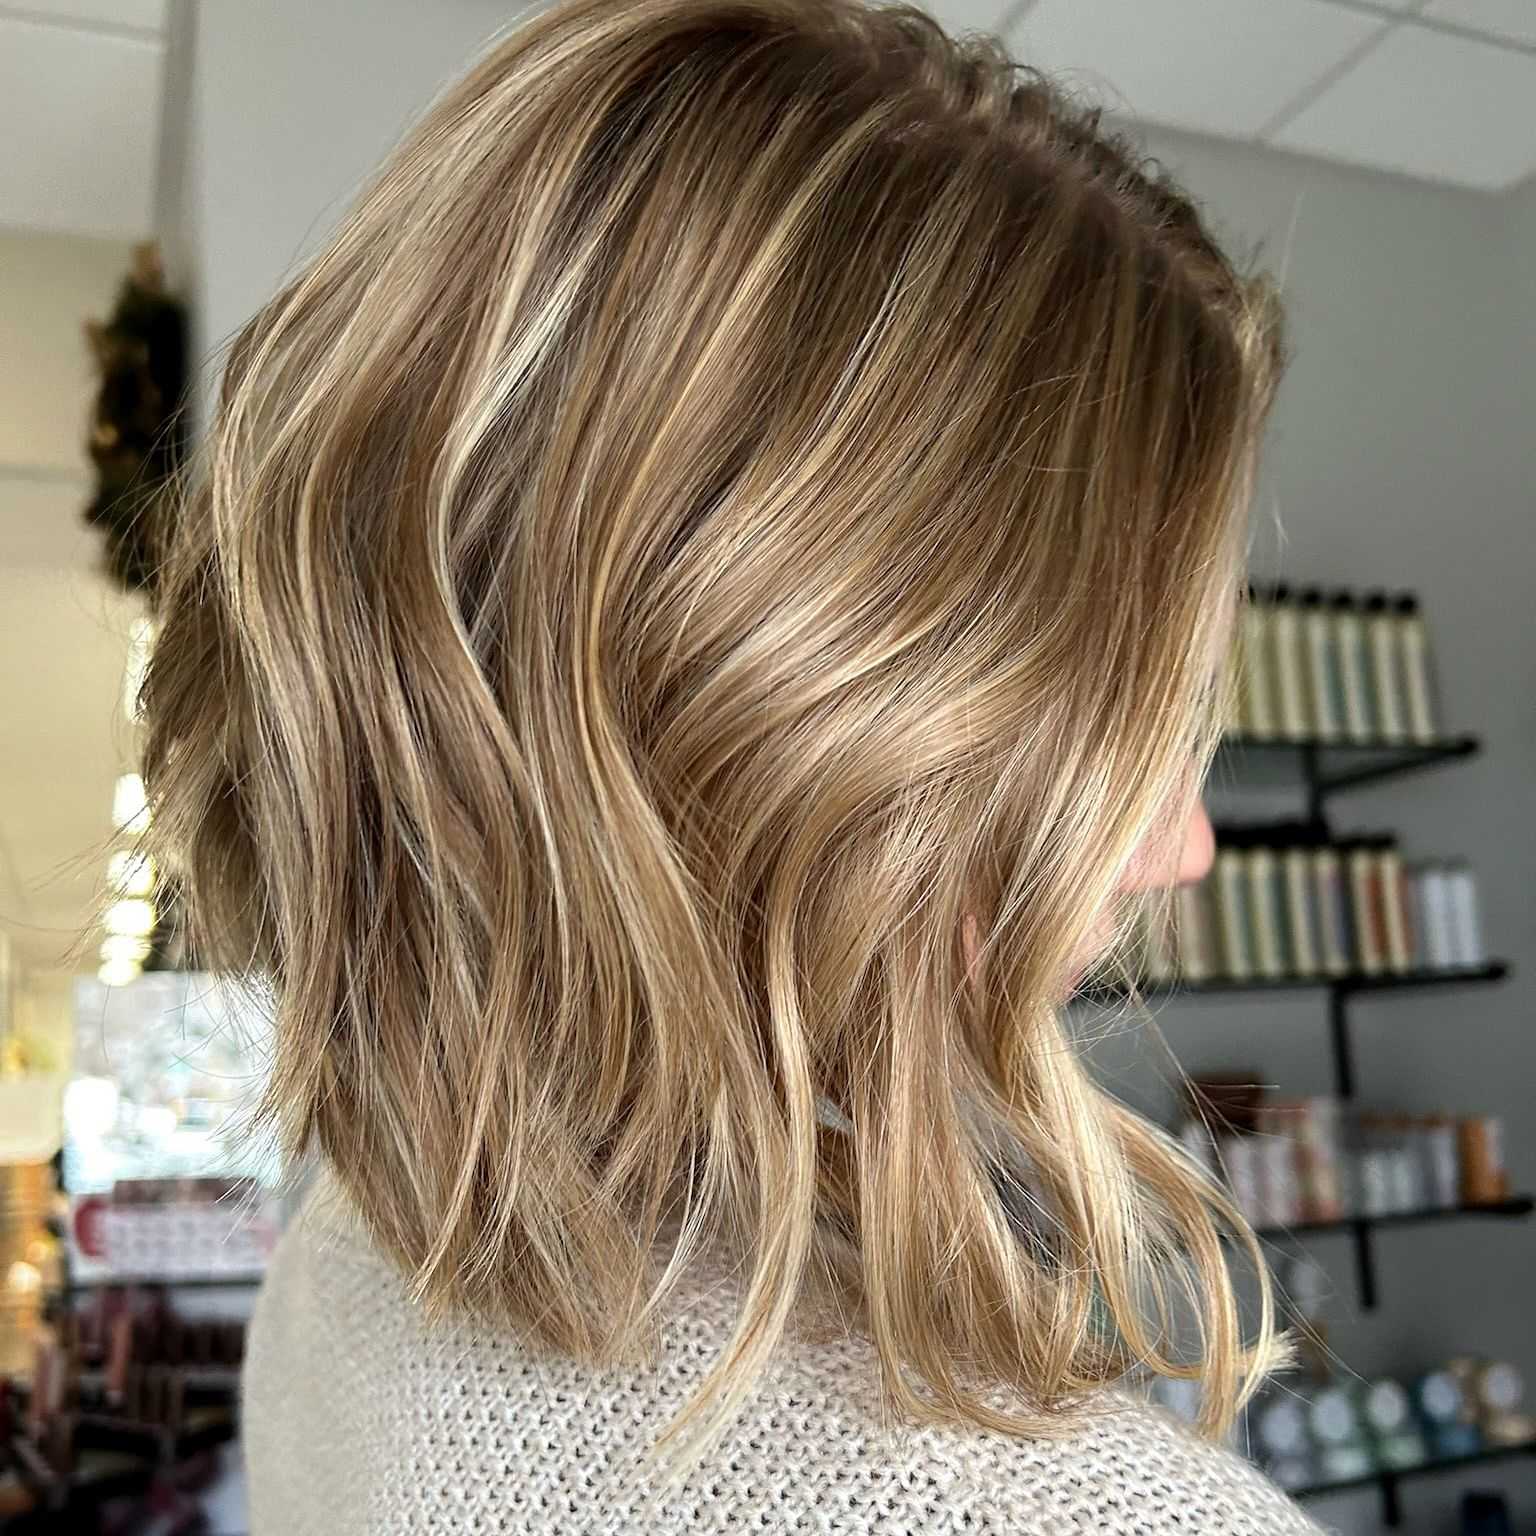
(362, 1420)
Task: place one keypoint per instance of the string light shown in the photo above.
(133, 916)
(118, 973)
(124, 946)
(130, 808)
(131, 874)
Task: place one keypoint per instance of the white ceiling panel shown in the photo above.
(139, 14)
(1514, 20)
(79, 114)
(1215, 66)
(1432, 105)
(968, 15)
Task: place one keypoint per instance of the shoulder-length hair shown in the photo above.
(751, 494)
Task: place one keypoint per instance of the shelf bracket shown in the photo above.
(1317, 789)
(1365, 1265)
(1338, 1030)
(1391, 1506)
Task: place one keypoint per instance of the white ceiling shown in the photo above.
(1441, 89)
(1444, 90)
(80, 115)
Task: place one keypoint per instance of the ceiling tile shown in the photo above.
(1431, 105)
(79, 113)
(969, 15)
(148, 14)
(1215, 66)
(1511, 19)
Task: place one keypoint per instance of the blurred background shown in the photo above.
(1352, 988)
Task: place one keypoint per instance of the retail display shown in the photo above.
(1282, 901)
(1319, 1160)
(1334, 667)
(1346, 1429)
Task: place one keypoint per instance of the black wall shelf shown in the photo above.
(1362, 1228)
(1326, 767)
(1456, 976)
(1388, 1479)
(1515, 1206)
(1320, 770)
(246, 1280)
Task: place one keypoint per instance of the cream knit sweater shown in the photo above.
(360, 1421)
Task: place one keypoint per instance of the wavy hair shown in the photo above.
(751, 493)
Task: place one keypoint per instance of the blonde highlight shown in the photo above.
(751, 488)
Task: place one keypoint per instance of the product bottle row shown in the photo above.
(1335, 667)
(1309, 1435)
(1296, 1161)
(1281, 904)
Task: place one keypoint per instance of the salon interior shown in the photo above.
(1340, 1022)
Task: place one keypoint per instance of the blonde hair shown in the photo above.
(753, 488)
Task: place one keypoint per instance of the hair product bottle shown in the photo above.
(1389, 875)
(1354, 674)
(1155, 947)
(1439, 1398)
(1268, 958)
(1419, 711)
(1451, 1434)
(1437, 943)
(1480, 1145)
(1233, 922)
(1381, 635)
(1443, 1160)
(1257, 697)
(1319, 1159)
(1238, 1156)
(1325, 706)
(1280, 1428)
(1301, 909)
(1388, 1413)
(1497, 1388)
(1465, 919)
(1196, 941)
(1365, 908)
(1289, 665)
(1334, 927)
(1334, 1419)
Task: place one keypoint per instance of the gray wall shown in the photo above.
(296, 102)
(1401, 456)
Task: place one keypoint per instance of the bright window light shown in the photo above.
(134, 917)
(131, 874)
(130, 810)
(118, 973)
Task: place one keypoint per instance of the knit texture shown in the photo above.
(360, 1420)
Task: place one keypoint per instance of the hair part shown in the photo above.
(751, 486)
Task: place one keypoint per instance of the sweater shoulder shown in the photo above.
(363, 1418)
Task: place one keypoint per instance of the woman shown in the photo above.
(704, 599)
